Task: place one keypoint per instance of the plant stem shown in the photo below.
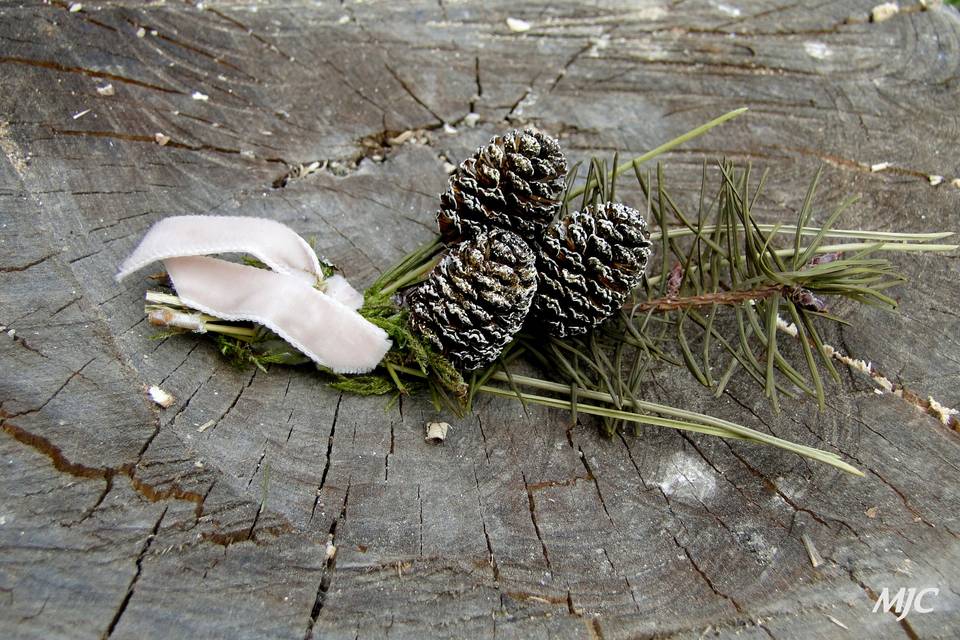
(410, 276)
(880, 246)
(669, 303)
(156, 297)
(736, 431)
(844, 247)
(653, 153)
(165, 302)
(708, 424)
(787, 229)
(244, 333)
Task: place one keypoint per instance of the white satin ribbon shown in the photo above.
(324, 325)
(275, 244)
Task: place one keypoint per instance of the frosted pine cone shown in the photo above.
(476, 298)
(515, 182)
(588, 263)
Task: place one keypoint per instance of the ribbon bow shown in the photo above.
(316, 314)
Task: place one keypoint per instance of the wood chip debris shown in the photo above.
(401, 138)
(517, 25)
(80, 114)
(815, 558)
(161, 397)
(75, 7)
(202, 97)
(837, 622)
(303, 170)
(884, 11)
(106, 90)
(161, 139)
(935, 180)
(436, 432)
(880, 166)
(942, 413)
(141, 32)
(206, 425)
(871, 512)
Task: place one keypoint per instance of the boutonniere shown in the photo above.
(542, 268)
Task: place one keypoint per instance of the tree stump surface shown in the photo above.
(120, 519)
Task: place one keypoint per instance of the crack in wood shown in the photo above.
(263, 454)
(82, 15)
(236, 399)
(173, 144)
(74, 374)
(28, 265)
(410, 92)
(420, 510)
(136, 576)
(531, 504)
(193, 49)
(56, 66)
(62, 464)
(386, 462)
(329, 456)
(483, 436)
(250, 32)
(593, 478)
(569, 63)
(705, 577)
(329, 568)
(905, 625)
(491, 558)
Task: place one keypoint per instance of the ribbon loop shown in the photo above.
(275, 244)
(322, 322)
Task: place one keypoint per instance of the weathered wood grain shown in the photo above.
(119, 519)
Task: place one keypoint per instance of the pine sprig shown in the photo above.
(726, 265)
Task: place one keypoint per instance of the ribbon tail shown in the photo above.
(337, 287)
(329, 332)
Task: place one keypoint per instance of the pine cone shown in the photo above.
(588, 262)
(476, 298)
(514, 183)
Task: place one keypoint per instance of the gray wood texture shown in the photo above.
(119, 519)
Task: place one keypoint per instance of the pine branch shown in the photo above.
(672, 303)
